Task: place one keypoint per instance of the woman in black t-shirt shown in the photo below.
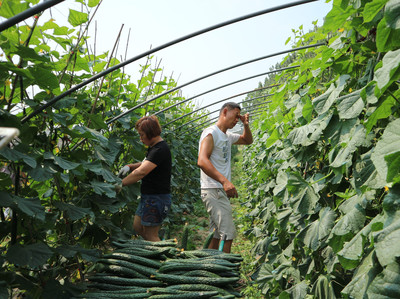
(155, 173)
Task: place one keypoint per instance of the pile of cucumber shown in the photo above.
(143, 269)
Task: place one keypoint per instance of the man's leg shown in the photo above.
(214, 244)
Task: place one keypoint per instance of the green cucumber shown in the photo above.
(147, 271)
(141, 282)
(208, 239)
(202, 273)
(100, 295)
(180, 279)
(185, 237)
(198, 287)
(119, 270)
(194, 266)
(134, 259)
(186, 295)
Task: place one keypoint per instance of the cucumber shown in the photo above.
(128, 290)
(208, 239)
(213, 260)
(140, 242)
(179, 279)
(141, 282)
(106, 286)
(147, 271)
(223, 297)
(186, 295)
(194, 266)
(134, 259)
(158, 290)
(157, 254)
(119, 270)
(198, 287)
(202, 273)
(100, 295)
(185, 237)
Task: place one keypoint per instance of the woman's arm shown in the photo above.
(139, 172)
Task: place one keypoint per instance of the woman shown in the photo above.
(155, 173)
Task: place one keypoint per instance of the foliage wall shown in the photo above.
(58, 206)
(323, 173)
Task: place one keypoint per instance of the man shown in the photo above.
(214, 161)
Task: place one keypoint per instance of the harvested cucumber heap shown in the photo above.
(143, 269)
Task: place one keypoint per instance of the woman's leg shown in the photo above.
(150, 233)
(137, 225)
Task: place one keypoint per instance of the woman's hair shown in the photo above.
(149, 125)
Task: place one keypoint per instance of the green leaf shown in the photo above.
(372, 8)
(389, 72)
(347, 226)
(5, 199)
(304, 198)
(316, 232)
(363, 277)
(15, 155)
(34, 255)
(74, 212)
(77, 18)
(103, 188)
(350, 106)
(393, 164)
(30, 206)
(337, 17)
(343, 154)
(44, 77)
(392, 14)
(65, 164)
(383, 111)
(386, 284)
(273, 138)
(98, 121)
(325, 101)
(308, 110)
(310, 133)
(387, 243)
(12, 8)
(388, 144)
(353, 251)
(93, 3)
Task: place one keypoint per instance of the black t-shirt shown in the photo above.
(158, 181)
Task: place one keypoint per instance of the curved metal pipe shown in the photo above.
(202, 116)
(111, 69)
(225, 85)
(215, 73)
(216, 102)
(28, 13)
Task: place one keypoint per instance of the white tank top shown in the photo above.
(220, 156)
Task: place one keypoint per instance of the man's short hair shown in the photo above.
(230, 106)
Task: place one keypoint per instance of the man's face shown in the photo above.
(232, 117)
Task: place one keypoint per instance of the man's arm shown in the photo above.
(139, 173)
(247, 137)
(203, 161)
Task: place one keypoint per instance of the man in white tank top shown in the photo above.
(214, 161)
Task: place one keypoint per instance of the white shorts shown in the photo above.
(219, 209)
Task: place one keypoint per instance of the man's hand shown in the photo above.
(230, 189)
(245, 118)
(123, 171)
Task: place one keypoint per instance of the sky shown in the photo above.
(153, 23)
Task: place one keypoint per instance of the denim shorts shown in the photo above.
(153, 208)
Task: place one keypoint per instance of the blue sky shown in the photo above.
(155, 22)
